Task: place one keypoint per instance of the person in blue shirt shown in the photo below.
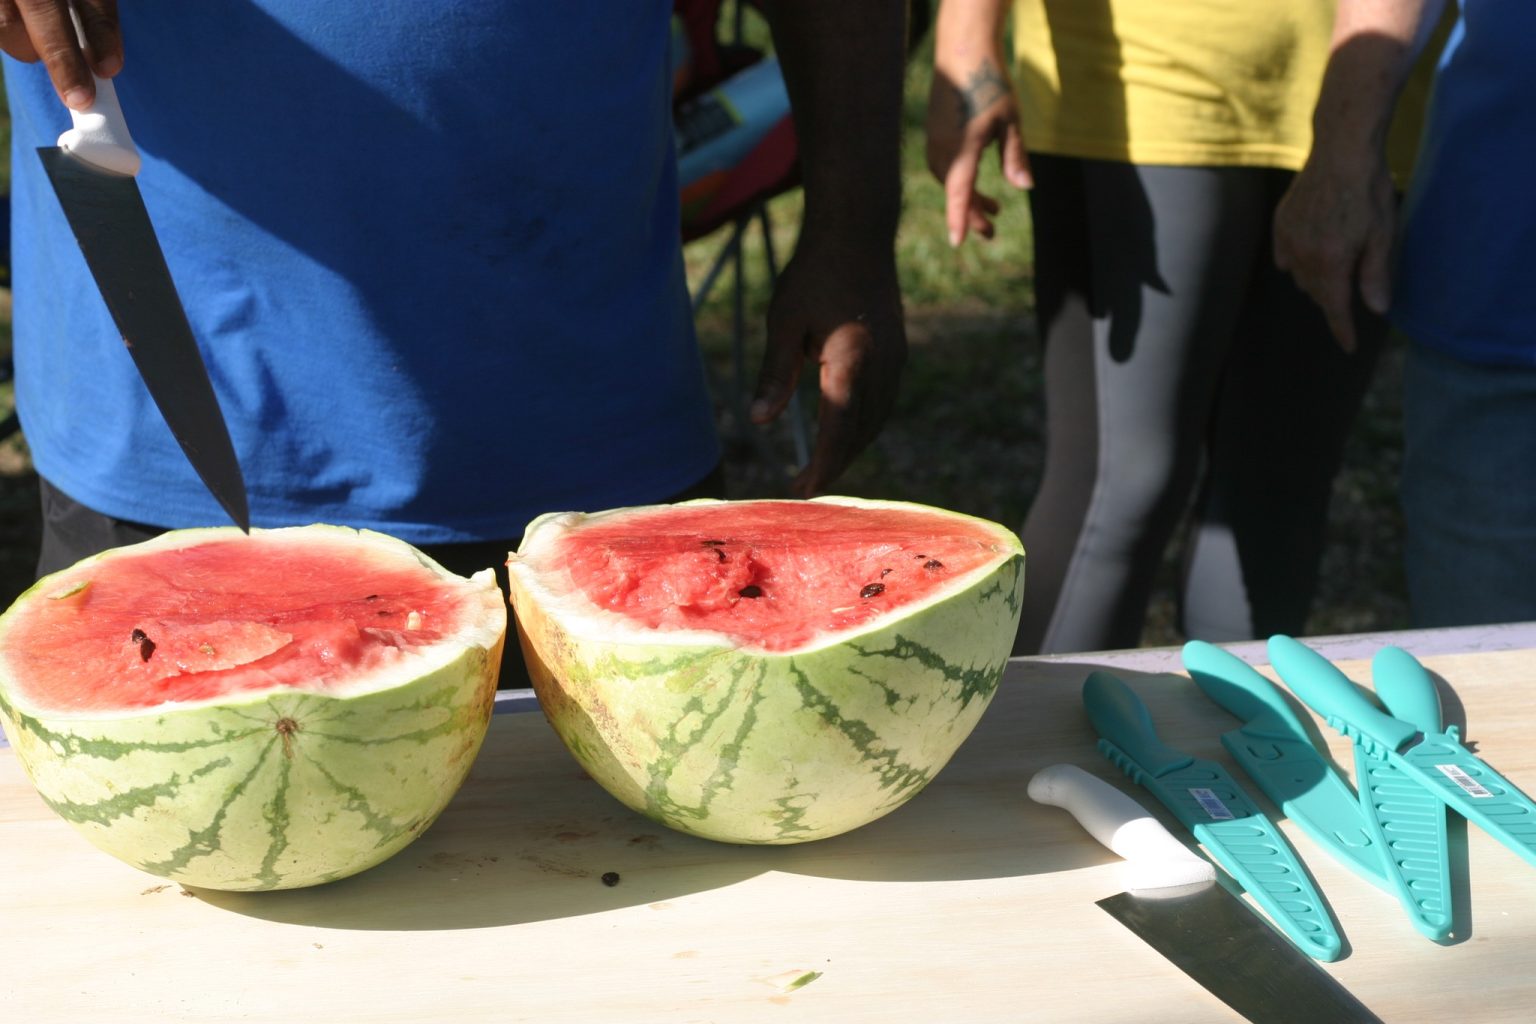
(431, 254)
(1455, 273)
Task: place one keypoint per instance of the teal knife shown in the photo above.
(1406, 821)
(1204, 798)
(1435, 759)
(1409, 694)
(1275, 749)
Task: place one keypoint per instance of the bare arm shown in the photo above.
(1334, 227)
(838, 301)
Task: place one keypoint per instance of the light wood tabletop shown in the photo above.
(970, 903)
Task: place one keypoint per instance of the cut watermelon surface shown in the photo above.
(771, 575)
(236, 614)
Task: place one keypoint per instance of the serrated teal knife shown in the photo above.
(1275, 749)
(1435, 759)
(1227, 823)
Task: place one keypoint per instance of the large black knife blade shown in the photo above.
(107, 215)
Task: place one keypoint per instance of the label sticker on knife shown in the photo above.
(1461, 778)
(1212, 805)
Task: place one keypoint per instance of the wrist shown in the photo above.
(965, 34)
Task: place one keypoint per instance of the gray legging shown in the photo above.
(1180, 365)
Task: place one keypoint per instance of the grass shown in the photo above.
(966, 433)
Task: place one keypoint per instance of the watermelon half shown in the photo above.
(766, 671)
(252, 712)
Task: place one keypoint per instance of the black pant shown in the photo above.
(72, 532)
(1179, 364)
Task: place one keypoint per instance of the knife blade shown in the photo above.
(1275, 749)
(1222, 817)
(1174, 904)
(1435, 759)
(92, 170)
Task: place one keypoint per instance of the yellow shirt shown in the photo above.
(1188, 82)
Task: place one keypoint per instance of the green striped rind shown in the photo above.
(281, 791)
(750, 747)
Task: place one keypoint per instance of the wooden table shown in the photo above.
(969, 904)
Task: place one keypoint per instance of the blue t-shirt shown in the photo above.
(430, 251)
(1466, 275)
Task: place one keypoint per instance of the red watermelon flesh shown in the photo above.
(222, 618)
(771, 575)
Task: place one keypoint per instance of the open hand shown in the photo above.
(841, 307)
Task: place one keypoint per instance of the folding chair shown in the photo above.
(737, 150)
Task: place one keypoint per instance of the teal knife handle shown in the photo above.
(1330, 693)
(1407, 689)
(1239, 688)
(1119, 716)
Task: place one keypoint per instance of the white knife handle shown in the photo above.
(100, 135)
(1154, 858)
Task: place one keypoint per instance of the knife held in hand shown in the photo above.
(92, 170)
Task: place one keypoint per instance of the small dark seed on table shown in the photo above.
(610, 878)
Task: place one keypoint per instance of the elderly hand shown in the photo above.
(42, 30)
(1333, 233)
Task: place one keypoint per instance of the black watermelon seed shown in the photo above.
(872, 590)
(933, 563)
(751, 590)
(610, 878)
(146, 645)
(719, 554)
(715, 543)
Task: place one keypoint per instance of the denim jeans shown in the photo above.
(1469, 490)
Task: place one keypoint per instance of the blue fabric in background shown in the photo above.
(430, 252)
(1466, 275)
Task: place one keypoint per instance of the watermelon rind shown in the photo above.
(717, 739)
(285, 789)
